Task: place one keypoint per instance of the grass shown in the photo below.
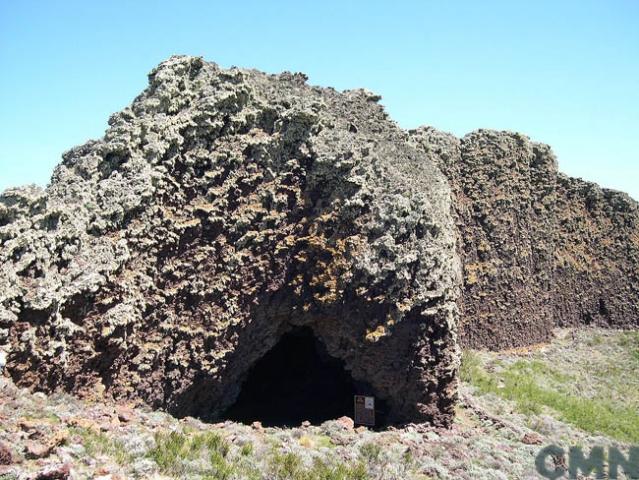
(370, 452)
(247, 449)
(174, 450)
(289, 466)
(316, 441)
(519, 383)
(630, 342)
(208, 454)
(44, 416)
(98, 443)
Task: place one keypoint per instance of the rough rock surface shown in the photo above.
(539, 249)
(222, 208)
(492, 438)
(596, 256)
(225, 207)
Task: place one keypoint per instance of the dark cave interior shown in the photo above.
(297, 380)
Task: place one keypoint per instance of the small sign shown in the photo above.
(365, 410)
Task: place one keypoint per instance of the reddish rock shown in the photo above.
(257, 426)
(6, 455)
(57, 472)
(37, 450)
(103, 472)
(346, 422)
(82, 423)
(532, 438)
(125, 414)
(28, 425)
(539, 249)
(269, 196)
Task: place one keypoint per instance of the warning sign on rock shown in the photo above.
(364, 410)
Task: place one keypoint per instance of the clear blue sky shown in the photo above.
(565, 72)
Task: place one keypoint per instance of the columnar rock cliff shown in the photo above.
(222, 209)
(225, 208)
(596, 261)
(539, 249)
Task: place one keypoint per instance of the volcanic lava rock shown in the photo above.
(225, 208)
(596, 256)
(539, 249)
(222, 209)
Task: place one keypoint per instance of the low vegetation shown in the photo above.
(98, 443)
(206, 453)
(536, 386)
(580, 389)
(209, 456)
(289, 466)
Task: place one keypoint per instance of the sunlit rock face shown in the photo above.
(221, 210)
(226, 211)
(539, 249)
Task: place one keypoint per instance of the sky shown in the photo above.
(564, 72)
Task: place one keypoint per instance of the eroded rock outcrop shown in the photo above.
(539, 249)
(220, 210)
(225, 208)
(596, 256)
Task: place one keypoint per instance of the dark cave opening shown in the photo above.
(295, 381)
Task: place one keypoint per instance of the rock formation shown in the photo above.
(596, 260)
(222, 209)
(539, 249)
(226, 208)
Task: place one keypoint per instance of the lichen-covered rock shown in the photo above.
(504, 187)
(222, 208)
(596, 256)
(539, 249)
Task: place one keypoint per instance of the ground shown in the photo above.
(580, 389)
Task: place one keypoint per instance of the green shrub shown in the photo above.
(98, 443)
(173, 450)
(247, 449)
(370, 452)
(289, 466)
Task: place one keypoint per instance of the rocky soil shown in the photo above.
(493, 437)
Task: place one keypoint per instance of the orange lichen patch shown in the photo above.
(377, 334)
(483, 246)
(405, 306)
(203, 206)
(475, 271)
(286, 243)
(328, 263)
(180, 221)
(334, 271)
(188, 223)
(578, 257)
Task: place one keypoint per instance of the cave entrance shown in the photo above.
(295, 381)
